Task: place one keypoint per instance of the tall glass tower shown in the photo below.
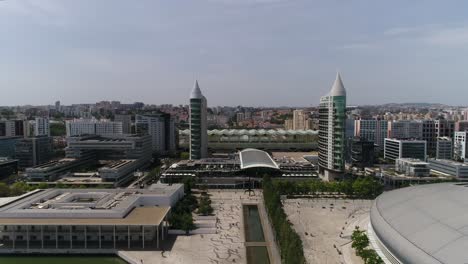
(198, 129)
(332, 130)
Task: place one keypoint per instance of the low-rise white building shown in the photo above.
(87, 221)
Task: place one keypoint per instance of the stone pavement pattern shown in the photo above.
(325, 227)
(226, 246)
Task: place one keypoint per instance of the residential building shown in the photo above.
(405, 129)
(332, 115)
(374, 130)
(80, 127)
(126, 121)
(400, 148)
(288, 124)
(460, 146)
(11, 128)
(444, 128)
(461, 125)
(33, 151)
(198, 124)
(240, 117)
(41, 127)
(412, 167)
(160, 126)
(444, 148)
(299, 120)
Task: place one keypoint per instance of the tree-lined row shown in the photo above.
(361, 188)
(289, 241)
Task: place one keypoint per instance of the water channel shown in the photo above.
(253, 230)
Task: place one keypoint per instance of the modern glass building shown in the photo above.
(198, 128)
(332, 120)
(396, 149)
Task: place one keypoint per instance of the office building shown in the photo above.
(7, 146)
(405, 129)
(412, 167)
(57, 106)
(161, 128)
(98, 221)
(126, 121)
(449, 167)
(350, 127)
(444, 148)
(128, 153)
(374, 130)
(399, 148)
(80, 127)
(332, 115)
(460, 146)
(299, 120)
(8, 167)
(362, 153)
(33, 151)
(430, 136)
(198, 124)
(41, 127)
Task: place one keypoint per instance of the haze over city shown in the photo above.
(244, 52)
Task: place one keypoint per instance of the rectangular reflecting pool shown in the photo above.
(252, 224)
(253, 230)
(257, 255)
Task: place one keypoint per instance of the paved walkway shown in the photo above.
(226, 246)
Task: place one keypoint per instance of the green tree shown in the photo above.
(367, 187)
(187, 223)
(204, 207)
(184, 155)
(19, 188)
(188, 185)
(57, 129)
(42, 185)
(4, 190)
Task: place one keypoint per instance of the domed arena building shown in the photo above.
(422, 224)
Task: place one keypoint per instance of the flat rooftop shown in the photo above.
(91, 206)
(137, 216)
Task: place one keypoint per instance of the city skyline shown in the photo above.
(152, 52)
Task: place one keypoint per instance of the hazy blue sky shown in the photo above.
(244, 52)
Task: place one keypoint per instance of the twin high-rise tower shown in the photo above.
(198, 127)
(332, 121)
(332, 129)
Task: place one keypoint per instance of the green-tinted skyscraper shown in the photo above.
(198, 128)
(332, 121)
